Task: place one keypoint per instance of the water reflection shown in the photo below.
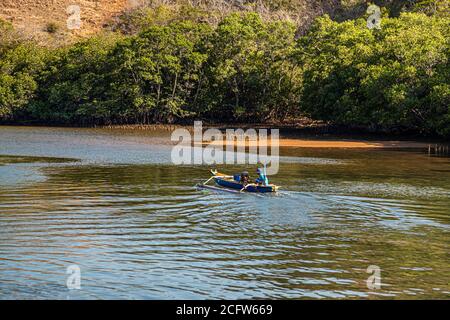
(144, 231)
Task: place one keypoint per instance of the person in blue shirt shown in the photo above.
(262, 178)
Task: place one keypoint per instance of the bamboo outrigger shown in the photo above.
(233, 184)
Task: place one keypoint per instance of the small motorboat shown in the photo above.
(235, 183)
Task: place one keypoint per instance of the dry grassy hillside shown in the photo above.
(46, 20)
(34, 17)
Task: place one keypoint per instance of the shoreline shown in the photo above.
(331, 143)
(291, 136)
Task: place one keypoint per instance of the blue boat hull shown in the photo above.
(238, 186)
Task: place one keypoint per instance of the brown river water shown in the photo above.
(112, 203)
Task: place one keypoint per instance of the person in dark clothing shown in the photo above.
(244, 178)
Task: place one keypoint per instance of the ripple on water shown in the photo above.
(145, 231)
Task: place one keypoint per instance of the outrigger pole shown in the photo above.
(247, 185)
(214, 173)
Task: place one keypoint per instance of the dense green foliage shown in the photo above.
(396, 76)
(250, 74)
(243, 69)
(20, 63)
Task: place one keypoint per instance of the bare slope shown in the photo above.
(32, 17)
(46, 20)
